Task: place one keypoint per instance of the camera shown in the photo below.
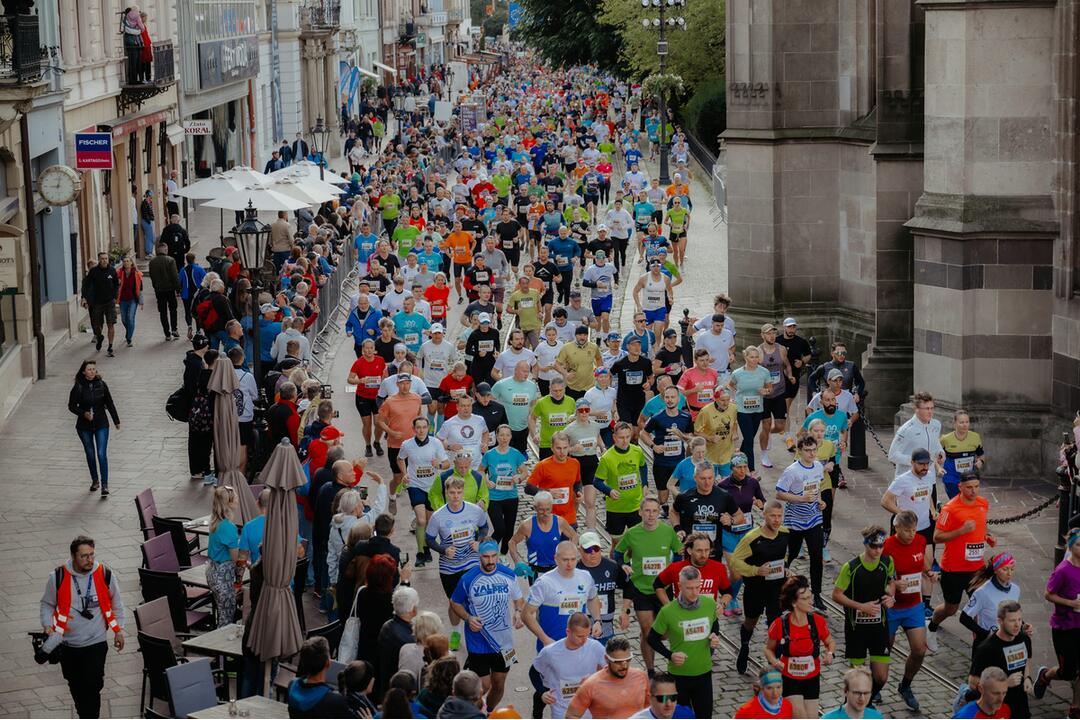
(326, 392)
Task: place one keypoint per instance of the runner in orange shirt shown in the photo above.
(961, 527)
(459, 244)
(560, 475)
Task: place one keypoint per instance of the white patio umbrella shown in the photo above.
(260, 197)
(211, 187)
(310, 193)
(247, 176)
(308, 169)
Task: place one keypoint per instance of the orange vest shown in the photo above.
(63, 600)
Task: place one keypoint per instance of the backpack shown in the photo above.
(785, 634)
(58, 574)
(178, 405)
(206, 314)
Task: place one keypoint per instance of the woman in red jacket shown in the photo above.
(129, 296)
(769, 702)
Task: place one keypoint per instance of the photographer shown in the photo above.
(81, 604)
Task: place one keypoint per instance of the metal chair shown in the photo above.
(155, 618)
(158, 656)
(330, 631)
(191, 687)
(187, 554)
(185, 616)
(299, 585)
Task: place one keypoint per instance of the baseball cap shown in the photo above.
(200, 341)
(404, 377)
(438, 328)
(483, 388)
(633, 339)
(268, 307)
(921, 455)
(789, 322)
(589, 539)
(670, 332)
(600, 227)
(330, 433)
(834, 374)
(600, 255)
(485, 318)
(613, 336)
(768, 327)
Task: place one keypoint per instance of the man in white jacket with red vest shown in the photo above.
(82, 603)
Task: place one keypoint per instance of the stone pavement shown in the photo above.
(47, 503)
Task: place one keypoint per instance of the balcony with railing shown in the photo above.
(431, 19)
(455, 15)
(146, 74)
(320, 17)
(22, 59)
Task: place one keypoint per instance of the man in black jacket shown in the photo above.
(99, 292)
(175, 236)
(344, 478)
(299, 148)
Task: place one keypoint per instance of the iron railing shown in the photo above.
(324, 15)
(159, 70)
(21, 56)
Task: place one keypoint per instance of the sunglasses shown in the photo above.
(626, 659)
(590, 551)
(665, 698)
(841, 352)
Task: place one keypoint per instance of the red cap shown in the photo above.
(330, 433)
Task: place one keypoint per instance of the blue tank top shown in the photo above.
(541, 545)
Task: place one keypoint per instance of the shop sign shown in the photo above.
(93, 151)
(225, 61)
(198, 127)
(9, 266)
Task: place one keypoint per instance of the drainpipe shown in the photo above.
(31, 236)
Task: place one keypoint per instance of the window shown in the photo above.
(133, 141)
(148, 151)
(163, 147)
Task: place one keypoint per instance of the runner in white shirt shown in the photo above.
(510, 357)
(565, 663)
(420, 459)
(921, 431)
(721, 346)
(466, 431)
(435, 357)
(546, 352)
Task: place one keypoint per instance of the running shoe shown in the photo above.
(368, 452)
(1041, 683)
(97, 342)
(909, 698)
(110, 353)
(378, 448)
(765, 461)
(104, 493)
(743, 659)
(932, 645)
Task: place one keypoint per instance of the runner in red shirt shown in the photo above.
(455, 385)
(438, 296)
(794, 652)
(366, 374)
(699, 382)
(907, 548)
(714, 576)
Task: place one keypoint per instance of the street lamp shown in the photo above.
(320, 137)
(399, 106)
(661, 23)
(252, 238)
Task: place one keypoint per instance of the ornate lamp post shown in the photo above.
(320, 138)
(252, 238)
(662, 23)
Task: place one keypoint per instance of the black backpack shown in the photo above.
(785, 634)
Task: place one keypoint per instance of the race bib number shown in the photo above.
(705, 397)
(568, 690)
(652, 565)
(973, 552)
(707, 528)
(910, 583)
(654, 298)
(519, 400)
(587, 443)
(774, 377)
(557, 419)
(812, 488)
(526, 303)
(776, 570)
(438, 365)
(561, 260)
(964, 465)
(570, 604)
(370, 381)
(560, 496)
(504, 482)
(868, 618)
(425, 472)
(696, 629)
(672, 448)
(800, 667)
(1016, 657)
(463, 533)
(628, 482)
(481, 278)
(412, 338)
(457, 393)
(509, 656)
(485, 345)
(752, 403)
(634, 377)
(922, 494)
(600, 417)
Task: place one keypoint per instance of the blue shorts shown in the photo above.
(658, 315)
(730, 540)
(907, 618)
(601, 305)
(418, 497)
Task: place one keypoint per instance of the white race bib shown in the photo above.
(964, 465)
(922, 494)
(457, 393)
(424, 472)
(567, 690)
(557, 420)
(634, 377)
(752, 403)
(652, 565)
(672, 448)
(560, 496)
(811, 489)
(519, 400)
(973, 552)
(526, 303)
(412, 338)
(707, 528)
(776, 570)
(504, 482)
(600, 417)
(910, 583)
(800, 667)
(1016, 657)
(370, 381)
(705, 397)
(570, 604)
(485, 345)
(587, 443)
(463, 533)
(628, 482)
(868, 618)
(774, 377)
(696, 629)
(744, 526)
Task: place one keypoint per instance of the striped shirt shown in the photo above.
(798, 479)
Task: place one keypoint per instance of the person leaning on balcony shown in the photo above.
(146, 52)
(132, 25)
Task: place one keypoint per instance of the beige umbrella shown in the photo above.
(227, 448)
(275, 627)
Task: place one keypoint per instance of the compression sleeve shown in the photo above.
(657, 643)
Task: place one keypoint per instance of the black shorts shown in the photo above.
(484, 664)
(928, 533)
(513, 256)
(807, 688)
(1067, 649)
(775, 407)
(863, 640)
(548, 297)
(618, 522)
(450, 582)
(366, 406)
(791, 389)
(761, 597)
(642, 602)
(662, 474)
(629, 410)
(588, 465)
(391, 457)
(247, 433)
(678, 235)
(460, 268)
(954, 585)
(104, 313)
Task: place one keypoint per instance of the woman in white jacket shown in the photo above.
(351, 510)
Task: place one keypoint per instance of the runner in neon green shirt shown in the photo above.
(690, 626)
(551, 413)
(405, 238)
(389, 205)
(502, 183)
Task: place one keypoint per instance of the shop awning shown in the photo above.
(175, 134)
(368, 73)
(387, 68)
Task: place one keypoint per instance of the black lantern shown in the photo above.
(252, 237)
(320, 137)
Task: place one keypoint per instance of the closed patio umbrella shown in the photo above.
(227, 447)
(275, 627)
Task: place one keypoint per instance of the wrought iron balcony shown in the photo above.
(22, 59)
(143, 77)
(454, 16)
(321, 16)
(408, 31)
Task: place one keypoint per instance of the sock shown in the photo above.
(932, 626)
(745, 634)
(905, 683)
(421, 538)
(875, 687)
(926, 601)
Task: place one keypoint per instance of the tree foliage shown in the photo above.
(569, 32)
(696, 53)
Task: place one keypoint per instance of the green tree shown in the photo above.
(569, 32)
(696, 53)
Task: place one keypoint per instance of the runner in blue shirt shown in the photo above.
(410, 325)
(490, 600)
(365, 242)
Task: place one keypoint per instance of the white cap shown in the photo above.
(438, 328)
(484, 318)
(600, 227)
(789, 321)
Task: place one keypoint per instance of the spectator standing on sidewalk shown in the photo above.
(89, 401)
(84, 630)
(146, 221)
(166, 281)
(99, 289)
(176, 238)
